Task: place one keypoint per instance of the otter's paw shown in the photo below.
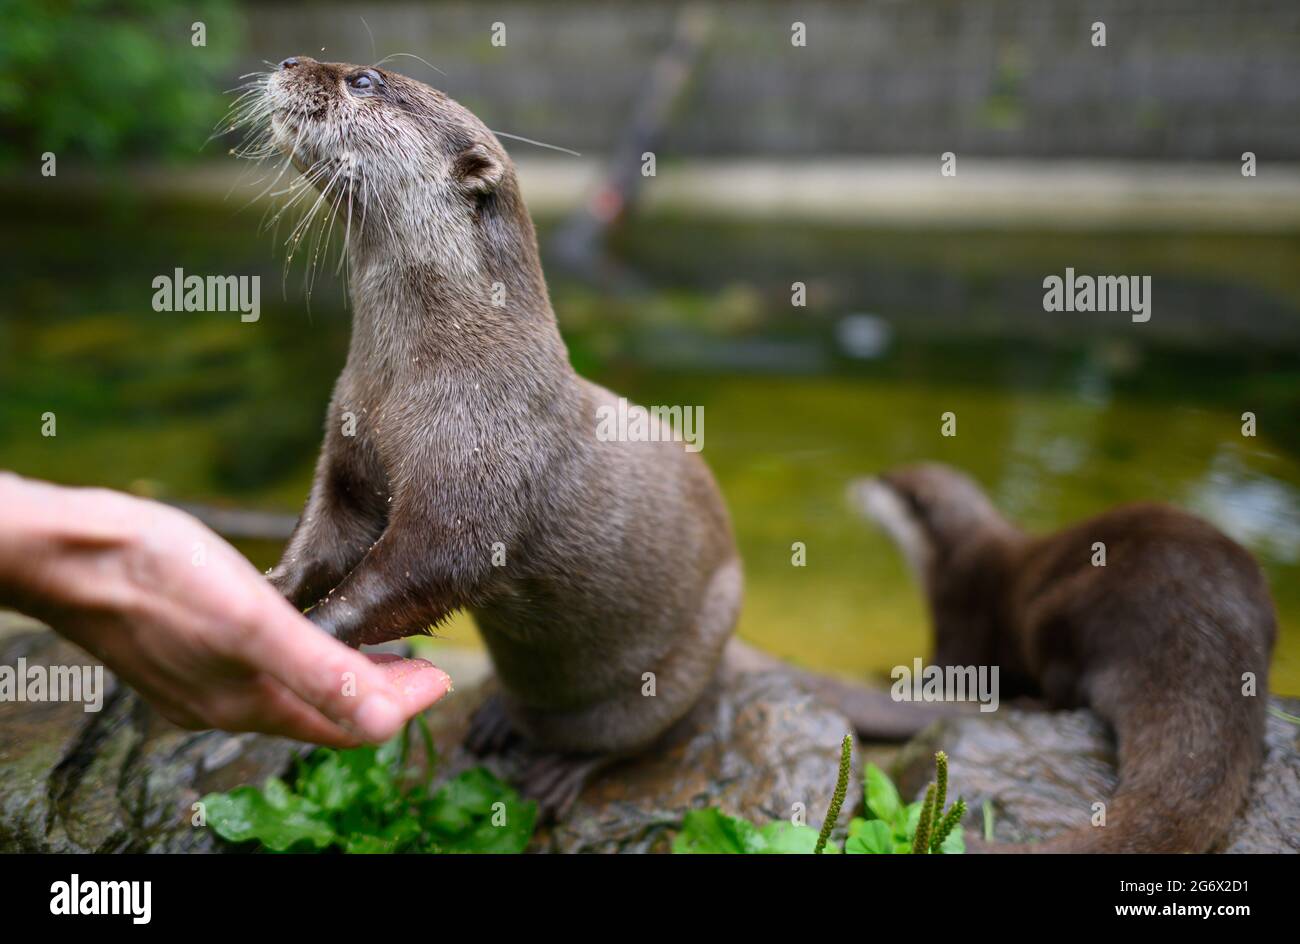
(292, 585)
(556, 780)
(490, 730)
(329, 619)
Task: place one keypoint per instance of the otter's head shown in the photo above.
(417, 174)
(933, 513)
(956, 543)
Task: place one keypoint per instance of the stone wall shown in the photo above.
(1177, 79)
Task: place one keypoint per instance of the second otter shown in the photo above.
(1169, 642)
(475, 478)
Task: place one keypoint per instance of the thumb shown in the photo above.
(372, 700)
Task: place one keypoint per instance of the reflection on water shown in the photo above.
(1250, 506)
(784, 449)
(202, 407)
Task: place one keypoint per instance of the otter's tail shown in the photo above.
(873, 714)
(1185, 766)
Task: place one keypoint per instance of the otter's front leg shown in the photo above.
(344, 516)
(409, 580)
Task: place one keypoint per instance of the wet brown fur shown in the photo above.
(474, 431)
(1155, 642)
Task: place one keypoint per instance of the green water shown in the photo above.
(1058, 424)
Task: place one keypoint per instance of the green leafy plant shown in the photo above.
(365, 800)
(713, 832)
(891, 826)
(837, 799)
(109, 80)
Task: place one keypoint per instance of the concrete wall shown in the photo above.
(1178, 78)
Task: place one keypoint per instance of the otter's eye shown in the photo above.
(366, 82)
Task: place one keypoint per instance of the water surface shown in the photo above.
(1058, 420)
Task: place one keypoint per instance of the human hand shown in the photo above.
(183, 618)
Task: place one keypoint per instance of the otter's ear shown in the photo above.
(477, 169)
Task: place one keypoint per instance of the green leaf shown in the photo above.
(955, 844)
(905, 825)
(364, 845)
(869, 837)
(389, 754)
(713, 832)
(398, 836)
(785, 838)
(355, 800)
(274, 816)
(462, 800)
(476, 812)
(882, 796)
(334, 780)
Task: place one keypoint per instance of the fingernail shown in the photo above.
(430, 681)
(409, 667)
(378, 717)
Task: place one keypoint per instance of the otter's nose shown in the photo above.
(288, 63)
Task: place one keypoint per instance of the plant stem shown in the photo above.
(841, 790)
(921, 841)
(947, 824)
(940, 795)
(941, 775)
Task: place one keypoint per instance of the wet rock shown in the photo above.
(754, 747)
(1271, 821)
(1042, 771)
(124, 779)
(121, 779)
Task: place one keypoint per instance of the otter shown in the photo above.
(1158, 642)
(602, 575)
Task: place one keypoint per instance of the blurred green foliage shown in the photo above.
(375, 800)
(112, 79)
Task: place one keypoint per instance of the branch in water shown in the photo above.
(239, 523)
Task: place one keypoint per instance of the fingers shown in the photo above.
(415, 683)
(276, 710)
(260, 705)
(265, 706)
(369, 700)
